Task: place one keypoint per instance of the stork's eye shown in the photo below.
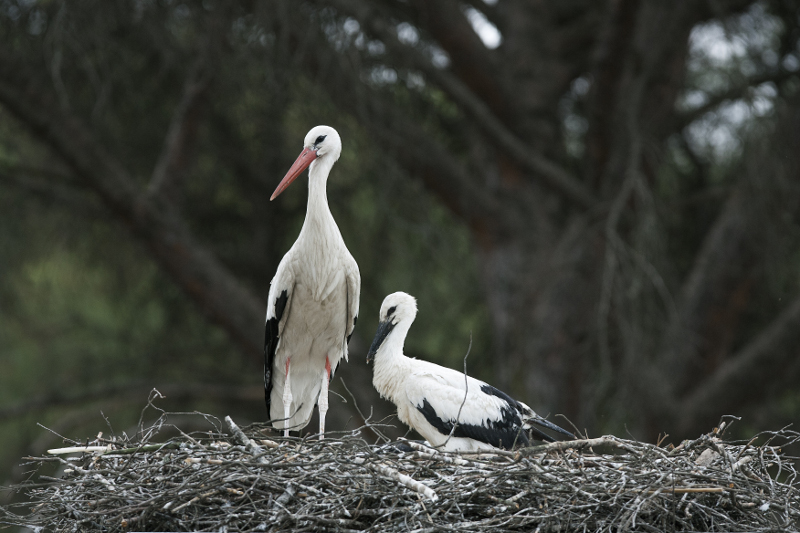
(391, 311)
(320, 139)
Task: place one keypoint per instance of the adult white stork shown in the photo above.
(313, 299)
(429, 397)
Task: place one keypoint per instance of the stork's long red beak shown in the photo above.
(302, 162)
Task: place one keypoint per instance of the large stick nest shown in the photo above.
(229, 480)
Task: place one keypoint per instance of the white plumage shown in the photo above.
(313, 298)
(428, 396)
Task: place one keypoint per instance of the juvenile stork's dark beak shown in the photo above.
(384, 328)
(306, 157)
(549, 425)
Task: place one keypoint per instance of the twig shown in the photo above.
(466, 392)
(366, 419)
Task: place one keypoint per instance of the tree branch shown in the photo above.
(444, 175)
(722, 261)
(151, 219)
(611, 53)
(471, 61)
(745, 377)
(552, 173)
(171, 166)
(29, 180)
(696, 347)
(734, 92)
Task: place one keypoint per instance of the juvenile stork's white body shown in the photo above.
(313, 299)
(431, 398)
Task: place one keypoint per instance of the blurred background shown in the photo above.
(602, 199)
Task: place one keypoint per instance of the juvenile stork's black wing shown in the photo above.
(484, 417)
(487, 414)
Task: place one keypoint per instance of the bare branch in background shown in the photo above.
(735, 92)
(470, 60)
(609, 61)
(61, 191)
(175, 158)
(523, 153)
(746, 377)
(722, 262)
(152, 220)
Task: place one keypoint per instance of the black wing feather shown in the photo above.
(533, 432)
(333, 369)
(505, 433)
(355, 319)
(271, 343)
(492, 391)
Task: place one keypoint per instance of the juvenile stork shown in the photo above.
(313, 299)
(429, 397)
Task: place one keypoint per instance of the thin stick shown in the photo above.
(466, 391)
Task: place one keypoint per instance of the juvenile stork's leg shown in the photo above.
(322, 403)
(287, 401)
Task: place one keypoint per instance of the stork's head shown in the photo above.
(320, 142)
(398, 308)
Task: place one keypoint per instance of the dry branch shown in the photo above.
(180, 140)
(406, 481)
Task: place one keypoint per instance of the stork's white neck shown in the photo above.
(317, 208)
(391, 365)
(319, 234)
(393, 343)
